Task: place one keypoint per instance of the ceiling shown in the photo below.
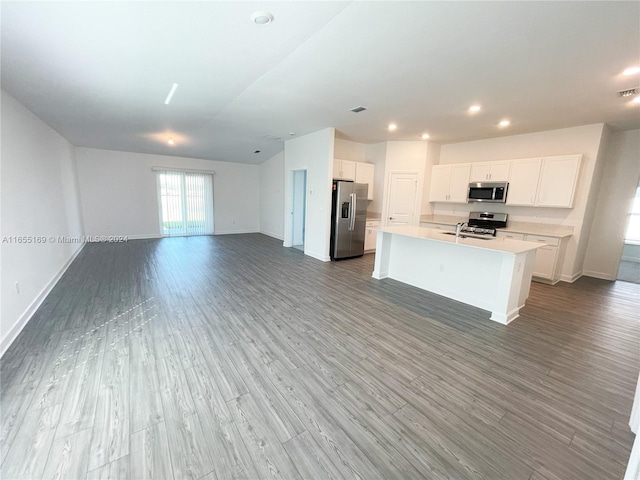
(99, 72)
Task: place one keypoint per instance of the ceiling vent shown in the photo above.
(358, 109)
(272, 137)
(628, 93)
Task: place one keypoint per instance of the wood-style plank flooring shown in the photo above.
(233, 357)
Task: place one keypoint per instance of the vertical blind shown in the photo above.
(186, 203)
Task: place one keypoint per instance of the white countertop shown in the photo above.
(504, 245)
(558, 231)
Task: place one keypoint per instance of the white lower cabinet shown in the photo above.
(510, 235)
(370, 236)
(547, 266)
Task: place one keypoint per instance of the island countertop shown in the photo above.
(504, 245)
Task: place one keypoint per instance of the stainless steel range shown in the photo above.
(482, 224)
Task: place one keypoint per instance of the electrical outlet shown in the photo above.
(17, 287)
(442, 268)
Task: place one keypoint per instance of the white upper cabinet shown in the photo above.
(544, 182)
(558, 179)
(365, 174)
(490, 171)
(355, 171)
(449, 183)
(344, 169)
(523, 181)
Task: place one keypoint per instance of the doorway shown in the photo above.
(299, 208)
(629, 269)
(402, 208)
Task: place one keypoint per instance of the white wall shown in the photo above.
(614, 199)
(348, 150)
(39, 198)
(433, 158)
(119, 192)
(584, 139)
(314, 153)
(376, 153)
(272, 196)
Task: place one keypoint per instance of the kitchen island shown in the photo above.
(489, 273)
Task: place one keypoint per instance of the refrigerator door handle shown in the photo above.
(352, 213)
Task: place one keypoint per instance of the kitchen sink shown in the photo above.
(464, 235)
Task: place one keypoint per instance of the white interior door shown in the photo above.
(403, 191)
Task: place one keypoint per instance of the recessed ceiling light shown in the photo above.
(262, 18)
(630, 92)
(425, 136)
(171, 92)
(392, 127)
(636, 100)
(504, 123)
(358, 109)
(631, 71)
(292, 133)
(474, 108)
(170, 141)
(257, 151)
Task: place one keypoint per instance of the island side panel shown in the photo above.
(478, 277)
(514, 284)
(383, 250)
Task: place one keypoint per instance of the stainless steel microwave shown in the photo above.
(490, 192)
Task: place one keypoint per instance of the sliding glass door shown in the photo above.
(186, 203)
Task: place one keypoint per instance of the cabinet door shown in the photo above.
(523, 181)
(348, 170)
(459, 183)
(337, 168)
(558, 180)
(370, 237)
(480, 172)
(499, 171)
(545, 263)
(439, 189)
(344, 169)
(364, 174)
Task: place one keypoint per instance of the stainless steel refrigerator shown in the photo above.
(348, 219)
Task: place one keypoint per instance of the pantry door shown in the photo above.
(402, 200)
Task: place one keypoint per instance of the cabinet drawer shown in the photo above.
(546, 240)
(510, 235)
(373, 223)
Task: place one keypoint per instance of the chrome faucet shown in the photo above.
(459, 227)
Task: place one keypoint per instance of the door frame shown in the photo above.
(418, 201)
(292, 191)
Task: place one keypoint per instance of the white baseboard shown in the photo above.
(272, 235)
(14, 331)
(572, 278)
(601, 275)
(233, 232)
(318, 256)
(143, 236)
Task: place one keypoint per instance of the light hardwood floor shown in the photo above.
(233, 357)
